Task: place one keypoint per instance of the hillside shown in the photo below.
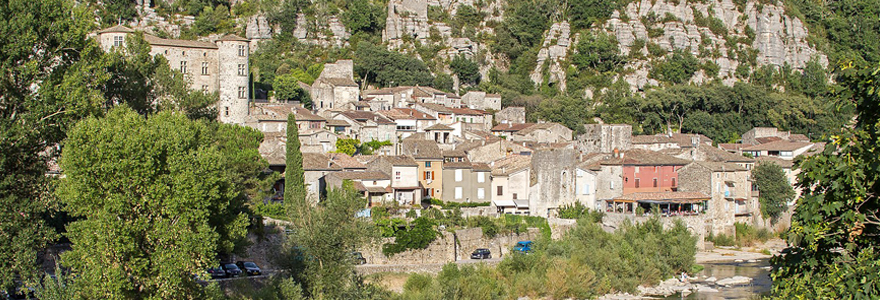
(549, 55)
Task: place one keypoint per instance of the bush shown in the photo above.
(272, 210)
(578, 211)
(721, 240)
(418, 237)
(747, 235)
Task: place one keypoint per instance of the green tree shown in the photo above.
(287, 89)
(156, 200)
(294, 178)
(598, 52)
(467, 70)
(776, 192)
(677, 68)
(834, 239)
(363, 16)
(386, 68)
(443, 82)
(347, 146)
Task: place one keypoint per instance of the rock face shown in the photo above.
(258, 28)
(557, 42)
(776, 38)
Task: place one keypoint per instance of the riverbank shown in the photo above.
(763, 250)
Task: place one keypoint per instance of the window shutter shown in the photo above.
(432, 175)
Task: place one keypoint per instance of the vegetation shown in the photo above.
(775, 190)
(578, 211)
(598, 52)
(833, 248)
(294, 178)
(677, 68)
(287, 89)
(353, 146)
(386, 68)
(155, 200)
(746, 235)
(419, 236)
(586, 263)
(467, 70)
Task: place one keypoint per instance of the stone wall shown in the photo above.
(695, 224)
(512, 115)
(605, 138)
(445, 249)
(554, 169)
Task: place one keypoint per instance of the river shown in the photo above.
(758, 270)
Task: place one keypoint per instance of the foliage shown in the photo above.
(112, 12)
(388, 227)
(287, 89)
(419, 236)
(387, 68)
(833, 239)
(467, 70)
(747, 235)
(294, 178)
(599, 52)
(847, 29)
(677, 68)
(584, 14)
(578, 211)
(443, 82)
(363, 16)
(211, 20)
(369, 147)
(325, 234)
(442, 204)
(156, 200)
(272, 210)
(775, 190)
(347, 146)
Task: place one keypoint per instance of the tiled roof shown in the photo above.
(510, 164)
(272, 148)
(718, 155)
(157, 41)
(387, 91)
(439, 126)
(362, 116)
(778, 146)
(641, 157)
(335, 122)
(365, 175)
(346, 162)
(233, 38)
(511, 127)
(767, 139)
(730, 146)
(457, 165)
(454, 153)
(719, 166)
(279, 112)
(651, 139)
(436, 107)
(784, 163)
(797, 137)
(468, 111)
(483, 167)
(673, 197)
(317, 161)
(421, 148)
(338, 81)
(117, 28)
(405, 114)
(540, 126)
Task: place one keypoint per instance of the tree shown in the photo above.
(287, 89)
(467, 70)
(294, 178)
(378, 65)
(776, 193)
(598, 52)
(156, 200)
(677, 68)
(834, 239)
(363, 16)
(347, 146)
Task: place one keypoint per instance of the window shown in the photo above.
(226, 111)
(586, 189)
(637, 182)
(429, 175)
(458, 175)
(242, 70)
(204, 88)
(500, 190)
(204, 68)
(481, 193)
(612, 185)
(242, 92)
(514, 196)
(655, 182)
(458, 192)
(673, 181)
(241, 50)
(481, 177)
(118, 41)
(182, 66)
(427, 164)
(637, 169)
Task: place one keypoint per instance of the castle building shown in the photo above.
(219, 66)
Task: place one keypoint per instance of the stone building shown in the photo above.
(481, 100)
(542, 133)
(729, 188)
(335, 89)
(511, 179)
(404, 174)
(430, 162)
(514, 115)
(219, 66)
(465, 181)
(605, 138)
(367, 126)
(554, 180)
(586, 186)
(373, 184)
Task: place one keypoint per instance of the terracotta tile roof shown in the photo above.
(797, 137)
(510, 164)
(421, 148)
(399, 160)
(279, 112)
(387, 91)
(436, 107)
(784, 163)
(639, 157)
(117, 28)
(273, 148)
(365, 175)
(317, 161)
(439, 126)
(344, 161)
(335, 122)
(767, 139)
(468, 111)
(157, 41)
(778, 146)
(233, 38)
(665, 197)
(718, 155)
(541, 126)
(651, 139)
(363, 116)
(719, 166)
(483, 167)
(454, 153)
(730, 146)
(457, 165)
(337, 81)
(511, 127)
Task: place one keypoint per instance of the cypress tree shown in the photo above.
(294, 180)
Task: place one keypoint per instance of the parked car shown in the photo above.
(481, 253)
(249, 268)
(217, 272)
(358, 258)
(231, 270)
(523, 247)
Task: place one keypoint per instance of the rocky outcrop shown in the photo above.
(777, 38)
(557, 42)
(258, 28)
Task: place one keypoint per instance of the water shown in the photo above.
(758, 271)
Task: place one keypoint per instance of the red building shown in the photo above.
(649, 171)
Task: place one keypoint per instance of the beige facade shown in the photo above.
(219, 66)
(729, 189)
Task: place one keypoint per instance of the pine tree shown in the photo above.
(294, 180)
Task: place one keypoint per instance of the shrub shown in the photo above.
(272, 210)
(418, 237)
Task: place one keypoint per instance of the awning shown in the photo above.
(504, 203)
(523, 203)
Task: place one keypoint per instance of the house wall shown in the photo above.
(230, 81)
(314, 180)
(469, 185)
(656, 146)
(604, 138)
(556, 175)
(609, 183)
(343, 96)
(435, 184)
(404, 176)
(585, 189)
(513, 115)
(645, 176)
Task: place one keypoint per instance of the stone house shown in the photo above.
(647, 171)
(505, 130)
(404, 173)
(375, 186)
(604, 138)
(347, 163)
(317, 141)
(609, 182)
(542, 133)
(515, 115)
(430, 165)
(553, 182)
(659, 142)
(758, 135)
(315, 167)
(729, 188)
(474, 119)
(219, 66)
(511, 182)
(441, 134)
(782, 149)
(395, 97)
(465, 181)
(272, 117)
(586, 186)
(429, 95)
(487, 151)
(335, 89)
(481, 100)
(408, 120)
(367, 126)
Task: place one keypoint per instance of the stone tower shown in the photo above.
(233, 86)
